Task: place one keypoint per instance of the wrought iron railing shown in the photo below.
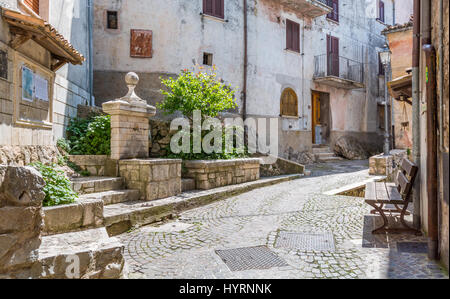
(333, 65)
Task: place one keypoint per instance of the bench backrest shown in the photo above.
(406, 177)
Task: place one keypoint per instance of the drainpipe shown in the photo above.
(91, 51)
(416, 111)
(442, 147)
(430, 80)
(244, 90)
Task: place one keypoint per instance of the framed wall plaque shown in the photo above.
(141, 43)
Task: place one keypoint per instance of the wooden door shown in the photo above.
(315, 113)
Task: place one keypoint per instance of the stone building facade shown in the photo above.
(46, 44)
(280, 64)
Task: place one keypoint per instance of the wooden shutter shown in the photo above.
(381, 10)
(289, 103)
(333, 55)
(380, 66)
(292, 36)
(214, 8)
(33, 4)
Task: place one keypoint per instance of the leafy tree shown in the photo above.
(192, 91)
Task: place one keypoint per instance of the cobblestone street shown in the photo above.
(186, 248)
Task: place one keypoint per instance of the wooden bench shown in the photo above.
(398, 194)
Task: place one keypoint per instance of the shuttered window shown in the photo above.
(334, 14)
(214, 8)
(380, 66)
(289, 103)
(381, 11)
(292, 36)
(33, 4)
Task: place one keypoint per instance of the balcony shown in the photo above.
(337, 71)
(309, 8)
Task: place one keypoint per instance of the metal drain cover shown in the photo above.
(412, 247)
(305, 241)
(248, 258)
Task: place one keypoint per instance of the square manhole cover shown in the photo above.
(248, 258)
(412, 247)
(305, 241)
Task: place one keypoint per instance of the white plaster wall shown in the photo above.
(180, 36)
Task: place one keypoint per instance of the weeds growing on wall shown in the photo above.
(58, 189)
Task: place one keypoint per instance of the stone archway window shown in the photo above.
(289, 103)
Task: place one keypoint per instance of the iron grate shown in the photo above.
(412, 247)
(249, 258)
(305, 241)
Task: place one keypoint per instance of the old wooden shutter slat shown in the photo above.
(288, 34)
(33, 4)
(336, 10)
(381, 11)
(296, 37)
(208, 7)
(219, 8)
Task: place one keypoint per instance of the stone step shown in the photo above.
(318, 150)
(99, 255)
(86, 185)
(119, 218)
(331, 159)
(113, 196)
(187, 184)
(325, 156)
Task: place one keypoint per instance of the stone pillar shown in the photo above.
(129, 123)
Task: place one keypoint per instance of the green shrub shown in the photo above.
(90, 136)
(196, 91)
(63, 145)
(58, 189)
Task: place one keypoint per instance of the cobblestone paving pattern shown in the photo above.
(255, 218)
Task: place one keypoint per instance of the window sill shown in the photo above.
(289, 117)
(293, 51)
(333, 21)
(381, 22)
(214, 18)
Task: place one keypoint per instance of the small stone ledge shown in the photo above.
(154, 178)
(95, 164)
(83, 214)
(209, 174)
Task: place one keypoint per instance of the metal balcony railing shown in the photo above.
(326, 65)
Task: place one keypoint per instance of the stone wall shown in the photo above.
(160, 137)
(21, 221)
(96, 165)
(24, 155)
(218, 173)
(155, 178)
(281, 167)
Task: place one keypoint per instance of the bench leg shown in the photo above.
(407, 227)
(396, 210)
(384, 227)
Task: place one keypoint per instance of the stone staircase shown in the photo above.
(100, 255)
(324, 154)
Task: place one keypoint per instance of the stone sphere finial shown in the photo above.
(131, 78)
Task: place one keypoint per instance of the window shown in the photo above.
(380, 11)
(3, 65)
(33, 4)
(289, 103)
(112, 20)
(214, 8)
(381, 117)
(334, 14)
(380, 66)
(207, 59)
(292, 36)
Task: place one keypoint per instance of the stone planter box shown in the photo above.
(209, 174)
(95, 164)
(155, 178)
